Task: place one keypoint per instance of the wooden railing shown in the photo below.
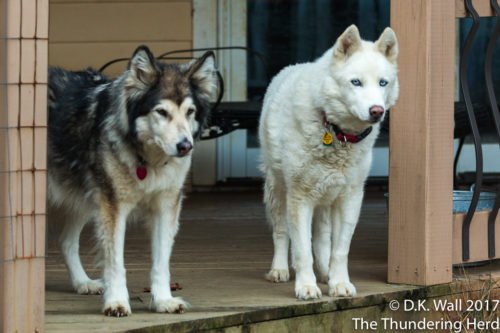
(425, 238)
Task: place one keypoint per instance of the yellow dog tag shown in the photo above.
(327, 139)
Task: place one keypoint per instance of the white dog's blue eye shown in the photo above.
(356, 82)
(383, 83)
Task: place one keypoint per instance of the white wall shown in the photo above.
(467, 161)
(491, 158)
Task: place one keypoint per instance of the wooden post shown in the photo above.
(23, 139)
(421, 144)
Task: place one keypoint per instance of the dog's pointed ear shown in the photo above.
(202, 74)
(142, 67)
(387, 44)
(348, 43)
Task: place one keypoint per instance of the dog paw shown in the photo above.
(341, 288)
(306, 292)
(278, 275)
(170, 305)
(117, 309)
(89, 287)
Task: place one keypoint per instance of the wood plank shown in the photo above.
(421, 144)
(42, 55)
(27, 107)
(13, 60)
(28, 61)
(42, 19)
(6, 294)
(22, 295)
(28, 18)
(3, 18)
(482, 7)
(13, 24)
(3, 93)
(40, 106)
(5, 248)
(478, 237)
(93, 22)
(77, 56)
(5, 243)
(224, 247)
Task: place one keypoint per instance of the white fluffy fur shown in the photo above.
(306, 180)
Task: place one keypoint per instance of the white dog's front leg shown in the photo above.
(165, 225)
(299, 215)
(345, 218)
(112, 233)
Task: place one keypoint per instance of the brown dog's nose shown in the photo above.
(184, 147)
(376, 111)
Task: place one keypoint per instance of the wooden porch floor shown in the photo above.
(222, 251)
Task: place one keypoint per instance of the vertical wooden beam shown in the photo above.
(23, 133)
(421, 144)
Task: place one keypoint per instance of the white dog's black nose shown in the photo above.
(184, 147)
(376, 112)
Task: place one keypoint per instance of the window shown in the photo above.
(292, 31)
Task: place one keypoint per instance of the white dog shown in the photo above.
(317, 129)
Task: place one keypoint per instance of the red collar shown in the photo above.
(341, 136)
(142, 170)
